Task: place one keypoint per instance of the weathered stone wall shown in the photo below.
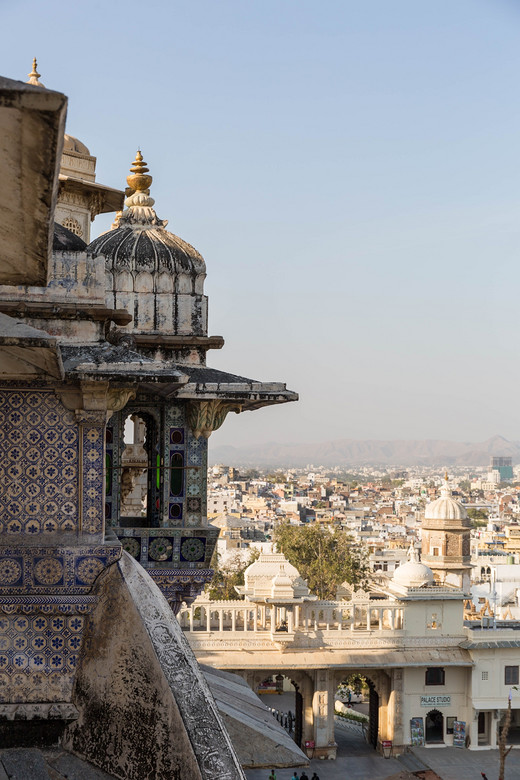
(138, 684)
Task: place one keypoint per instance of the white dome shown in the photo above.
(413, 575)
(71, 144)
(445, 507)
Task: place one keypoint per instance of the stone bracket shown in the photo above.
(93, 401)
(204, 417)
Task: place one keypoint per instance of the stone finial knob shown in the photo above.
(34, 75)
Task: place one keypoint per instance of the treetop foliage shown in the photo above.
(325, 558)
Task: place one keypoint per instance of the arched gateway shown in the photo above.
(403, 635)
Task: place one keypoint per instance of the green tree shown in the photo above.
(226, 576)
(325, 558)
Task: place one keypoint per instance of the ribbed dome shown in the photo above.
(152, 248)
(151, 273)
(71, 144)
(413, 575)
(445, 507)
(138, 240)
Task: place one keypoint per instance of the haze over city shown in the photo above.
(349, 172)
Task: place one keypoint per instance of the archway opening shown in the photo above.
(434, 726)
(286, 706)
(357, 712)
(141, 475)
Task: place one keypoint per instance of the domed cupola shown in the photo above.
(413, 573)
(151, 273)
(446, 508)
(445, 538)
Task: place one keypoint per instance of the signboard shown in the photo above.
(435, 701)
(459, 734)
(417, 731)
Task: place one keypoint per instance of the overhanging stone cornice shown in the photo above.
(32, 124)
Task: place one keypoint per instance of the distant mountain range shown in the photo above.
(350, 452)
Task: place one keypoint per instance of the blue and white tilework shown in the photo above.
(39, 464)
(92, 444)
(53, 570)
(38, 656)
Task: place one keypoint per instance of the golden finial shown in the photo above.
(34, 75)
(446, 475)
(139, 182)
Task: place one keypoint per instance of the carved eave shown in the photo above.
(212, 395)
(207, 384)
(65, 311)
(119, 364)
(27, 352)
(102, 199)
(32, 124)
(178, 342)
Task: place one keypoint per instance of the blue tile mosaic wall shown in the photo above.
(54, 570)
(40, 641)
(39, 443)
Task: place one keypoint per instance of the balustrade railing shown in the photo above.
(240, 616)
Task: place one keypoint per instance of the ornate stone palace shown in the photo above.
(433, 675)
(103, 347)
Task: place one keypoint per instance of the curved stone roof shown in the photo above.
(445, 507)
(64, 239)
(152, 248)
(138, 239)
(413, 574)
(71, 144)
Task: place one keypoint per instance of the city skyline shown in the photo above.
(350, 175)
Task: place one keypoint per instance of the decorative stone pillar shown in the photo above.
(323, 713)
(395, 711)
(307, 692)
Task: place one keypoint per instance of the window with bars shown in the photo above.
(434, 675)
(511, 675)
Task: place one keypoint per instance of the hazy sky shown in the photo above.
(350, 171)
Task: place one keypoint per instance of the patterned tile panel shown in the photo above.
(39, 464)
(92, 444)
(38, 656)
(53, 570)
(170, 547)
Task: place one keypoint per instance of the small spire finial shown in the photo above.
(139, 181)
(34, 75)
(446, 475)
(139, 204)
